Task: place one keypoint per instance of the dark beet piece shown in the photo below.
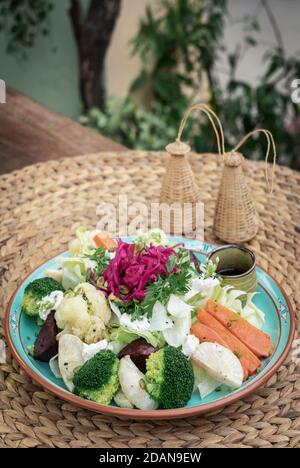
(138, 350)
(46, 345)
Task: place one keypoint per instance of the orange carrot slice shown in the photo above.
(104, 240)
(256, 340)
(249, 361)
(207, 334)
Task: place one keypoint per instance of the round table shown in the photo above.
(41, 205)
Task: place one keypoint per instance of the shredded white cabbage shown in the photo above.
(252, 313)
(160, 320)
(177, 307)
(54, 367)
(175, 335)
(189, 345)
(73, 271)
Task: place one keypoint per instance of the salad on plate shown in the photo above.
(142, 324)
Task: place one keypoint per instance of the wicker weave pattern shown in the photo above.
(65, 194)
(236, 220)
(179, 185)
(179, 182)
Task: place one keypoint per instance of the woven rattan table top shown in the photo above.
(41, 205)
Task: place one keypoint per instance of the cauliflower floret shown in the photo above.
(97, 303)
(84, 315)
(73, 317)
(95, 331)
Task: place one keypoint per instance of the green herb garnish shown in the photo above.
(100, 257)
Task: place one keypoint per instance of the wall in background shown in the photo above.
(50, 73)
(287, 14)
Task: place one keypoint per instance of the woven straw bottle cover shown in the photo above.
(179, 185)
(236, 219)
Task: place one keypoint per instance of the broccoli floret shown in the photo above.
(97, 379)
(169, 377)
(35, 292)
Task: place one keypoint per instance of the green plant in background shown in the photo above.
(268, 104)
(176, 46)
(180, 47)
(23, 21)
(132, 125)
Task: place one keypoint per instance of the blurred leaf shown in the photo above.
(23, 21)
(276, 62)
(139, 81)
(250, 41)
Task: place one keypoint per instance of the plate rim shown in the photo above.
(160, 414)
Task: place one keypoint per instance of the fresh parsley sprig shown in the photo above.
(99, 256)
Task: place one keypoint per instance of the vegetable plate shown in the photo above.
(143, 327)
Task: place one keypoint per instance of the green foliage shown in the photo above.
(100, 257)
(23, 21)
(173, 47)
(266, 105)
(131, 125)
(180, 46)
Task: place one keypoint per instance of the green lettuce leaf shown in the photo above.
(122, 336)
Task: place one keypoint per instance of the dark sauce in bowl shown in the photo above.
(231, 271)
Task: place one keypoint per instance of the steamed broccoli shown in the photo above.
(35, 292)
(97, 379)
(169, 377)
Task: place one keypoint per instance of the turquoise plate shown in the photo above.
(21, 332)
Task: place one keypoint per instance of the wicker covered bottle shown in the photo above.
(236, 219)
(179, 187)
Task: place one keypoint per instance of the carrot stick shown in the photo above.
(207, 334)
(256, 340)
(104, 240)
(249, 361)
